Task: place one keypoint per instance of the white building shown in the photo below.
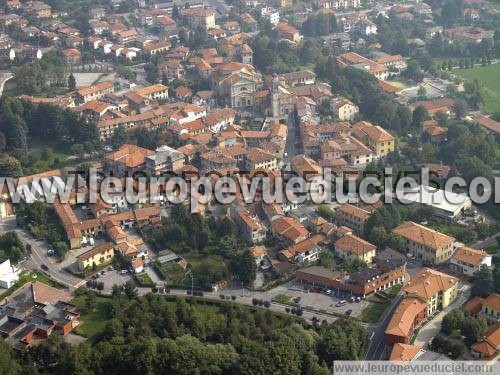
(270, 14)
(8, 274)
(468, 261)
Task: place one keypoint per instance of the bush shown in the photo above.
(287, 309)
(100, 286)
(267, 304)
(300, 312)
(222, 296)
(233, 298)
(255, 301)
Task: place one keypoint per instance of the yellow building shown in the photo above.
(199, 17)
(256, 158)
(436, 288)
(427, 245)
(352, 217)
(375, 137)
(352, 247)
(96, 256)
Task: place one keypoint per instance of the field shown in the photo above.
(92, 322)
(375, 309)
(399, 84)
(488, 75)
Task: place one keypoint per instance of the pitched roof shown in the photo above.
(490, 343)
(469, 255)
(404, 352)
(401, 322)
(353, 244)
(492, 301)
(130, 155)
(354, 211)
(99, 249)
(428, 282)
(423, 235)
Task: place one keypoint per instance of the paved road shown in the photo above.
(492, 240)
(432, 328)
(4, 77)
(376, 347)
(291, 138)
(245, 297)
(39, 254)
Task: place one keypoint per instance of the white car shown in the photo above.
(123, 272)
(328, 292)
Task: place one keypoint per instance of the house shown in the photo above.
(99, 27)
(344, 109)
(490, 308)
(257, 158)
(213, 160)
(153, 92)
(72, 56)
(437, 289)
(434, 106)
(288, 229)
(183, 93)
(426, 245)
(167, 26)
(155, 48)
(375, 137)
(288, 32)
(305, 251)
(468, 261)
(8, 274)
(352, 247)
(488, 347)
(98, 255)
(259, 252)
(198, 17)
(250, 226)
(352, 217)
(407, 316)
(270, 14)
(94, 92)
(164, 159)
(360, 62)
(172, 69)
(127, 159)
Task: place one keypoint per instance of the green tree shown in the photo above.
(246, 267)
(9, 365)
(71, 82)
(10, 167)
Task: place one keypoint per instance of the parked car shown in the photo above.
(44, 267)
(341, 303)
(50, 252)
(123, 272)
(348, 312)
(328, 291)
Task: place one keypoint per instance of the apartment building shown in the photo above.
(437, 289)
(94, 92)
(96, 256)
(352, 217)
(375, 137)
(426, 245)
(354, 248)
(198, 17)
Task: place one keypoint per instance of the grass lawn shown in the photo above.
(488, 76)
(143, 279)
(372, 313)
(92, 322)
(399, 84)
(283, 298)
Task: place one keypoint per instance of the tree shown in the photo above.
(9, 365)
(326, 260)
(473, 328)
(421, 92)
(78, 150)
(119, 137)
(246, 268)
(414, 71)
(483, 284)
(130, 290)
(420, 114)
(460, 108)
(71, 82)
(10, 167)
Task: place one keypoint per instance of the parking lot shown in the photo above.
(319, 301)
(113, 277)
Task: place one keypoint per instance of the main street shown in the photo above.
(38, 256)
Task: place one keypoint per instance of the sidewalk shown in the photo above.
(432, 328)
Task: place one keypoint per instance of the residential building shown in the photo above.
(153, 92)
(344, 109)
(34, 312)
(437, 289)
(288, 32)
(288, 229)
(250, 226)
(357, 61)
(468, 261)
(305, 251)
(127, 159)
(257, 158)
(488, 347)
(164, 159)
(354, 248)
(407, 316)
(198, 17)
(98, 255)
(490, 308)
(8, 274)
(352, 217)
(375, 137)
(426, 245)
(270, 14)
(405, 352)
(94, 92)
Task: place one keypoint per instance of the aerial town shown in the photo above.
(162, 96)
